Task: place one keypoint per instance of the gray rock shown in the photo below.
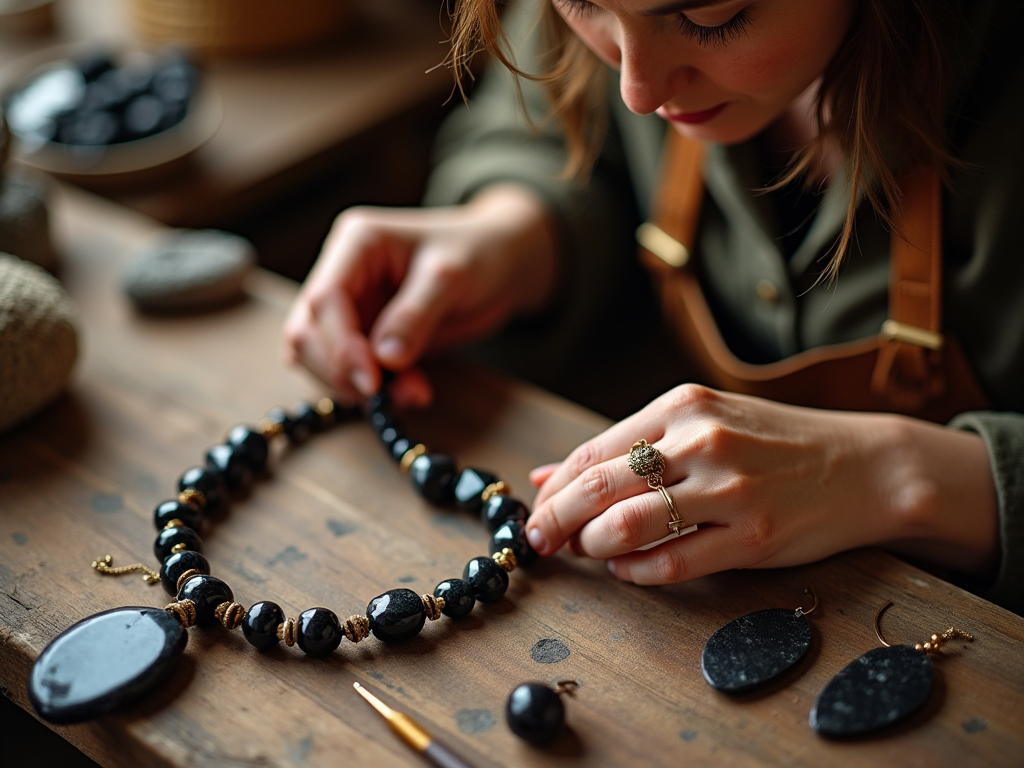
(5, 141)
(38, 339)
(190, 269)
(25, 218)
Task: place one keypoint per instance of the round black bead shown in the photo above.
(486, 578)
(177, 564)
(458, 598)
(389, 436)
(513, 535)
(207, 592)
(166, 511)
(230, 463)
(432, 475)
(396, 615)
(305, 413)
(260, 625)
(380, 421)
(319, 631)
(169, 538)
(468, 487)
(377, 403)
(295, 431)
(399, 447)
(206, 481)
(253, 445)
(500, 509)
(534, 712)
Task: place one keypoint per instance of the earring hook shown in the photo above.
(809, 590)
(878, 626)
(933, 644)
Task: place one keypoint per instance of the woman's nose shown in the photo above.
(648, 77)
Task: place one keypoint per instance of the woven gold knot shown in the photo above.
(229, 614)
(175, 523)
(186, 576)
(269, 429)
(356, 628)
(184, 611)
(325, 410)
(432, 606)
(410, 456)
(193, 497)
(288, 632)
(647, 461)
(494, 489)
(506, 559)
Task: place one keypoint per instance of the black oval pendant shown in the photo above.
(755, 648)
(103, 662)
(882, 686)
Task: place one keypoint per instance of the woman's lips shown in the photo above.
(693, 117)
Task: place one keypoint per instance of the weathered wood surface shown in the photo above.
(336, 524)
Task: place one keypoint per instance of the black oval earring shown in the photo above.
(756, 648)
(535, 711)
(881, 687)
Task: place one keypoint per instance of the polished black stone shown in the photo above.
(881, 687)
(389, 436)
(380, 421)
(377, 403)
(206, 481)
(534, 712)
(104, 662)
(755, 648)
(177, 564)
(513, 535)
(469, 485)
(396, 615)
(230, 463)
(319, 631)
(259, 625)
(486, 578)
(169, 538)
(458, 598)
(207, 592)
(295, 431)
(399, 447)
(432, 475)
(166, 511)
(306, 413)
(500, 509)
(254, 446)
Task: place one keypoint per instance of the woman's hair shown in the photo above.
(881, 101)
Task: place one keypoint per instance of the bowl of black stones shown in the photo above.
(96, 116)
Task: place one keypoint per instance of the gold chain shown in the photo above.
(105, 565)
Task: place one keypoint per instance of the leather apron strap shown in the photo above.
(909, 367)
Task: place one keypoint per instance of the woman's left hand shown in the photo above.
(768, 485)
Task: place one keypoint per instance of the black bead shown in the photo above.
(295, 431)
(432, 476)
(166, 511)
(254, 446)
(389, 436)
(458, 598)
(206, 481)
(305, 413)
(534, 712)
(169, 538)
(177, 564)
(229, 462)
(468, 487)
(513, 535)
(500, 509)
(319, 631)
(396, 615)
(377, 403)
(207, 592)
(399, 448)
(380, 421)
(486, 578)
(755, 649)
(260, 623)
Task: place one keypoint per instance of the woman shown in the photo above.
(839, 100)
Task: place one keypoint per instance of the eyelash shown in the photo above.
(713, 37)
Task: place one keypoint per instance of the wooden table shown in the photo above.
(336, 524)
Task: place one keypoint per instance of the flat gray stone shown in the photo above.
(190, 270)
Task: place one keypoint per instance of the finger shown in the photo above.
(687, 557)
(632, 523)
(412, 389)
(540, 475)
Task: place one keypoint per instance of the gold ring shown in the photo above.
(648, 462)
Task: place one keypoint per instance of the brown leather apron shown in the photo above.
(909, 367)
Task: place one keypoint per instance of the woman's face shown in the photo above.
(719, 70)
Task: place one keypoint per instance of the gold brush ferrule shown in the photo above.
(401, 724)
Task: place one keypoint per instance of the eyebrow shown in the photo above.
(677, 6)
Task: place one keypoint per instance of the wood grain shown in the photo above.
(335, 524)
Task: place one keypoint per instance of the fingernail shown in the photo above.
(536, 539)
(362, 381)
(613, 567)
(390, 348)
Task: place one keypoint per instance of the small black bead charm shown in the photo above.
(513, 535)
(206, 481)
(177, 564)
(319, 631)
(389, 437)
(207, 592)
(396, 615)
(486, 578)
(534, 712)
(754, 649)
(377, 403)
(295, 431)
(399, 448)
(380, 421)
(458, 598)
(253, 445)
(468, 487)
(881, 687)
(177, 510)
(169, 538)
(432, 475)
(230, 463)
(500, 509)
(260, 625)
(306, 414)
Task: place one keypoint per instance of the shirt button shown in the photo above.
(767, 292)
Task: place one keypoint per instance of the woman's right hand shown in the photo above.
(393, 283)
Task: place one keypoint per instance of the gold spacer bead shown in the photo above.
(432, 606)
(919, 648)
(410, 456)
(356, 628)
(506, 559)
(269, 429)
(186, 576)
(181, 546)
(184, 611)
(325, 409)
(936, 640)
(175, 523)
(500, 487)
(927, 647)
(192, 496)
(229, 614)
(288, 631)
